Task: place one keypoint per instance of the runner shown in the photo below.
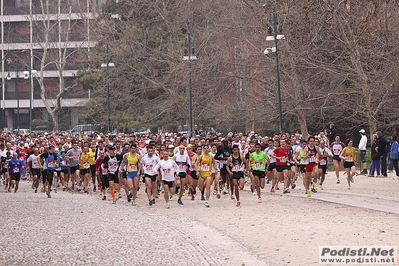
(168, 169)
(236, 167)
(64, 165)
(133, 167)
(50, 162)
(110, 166)
(33, 162)
(73, 156)
(15, 166)
(258, 167)
(102, 172)
(92, 161)
(312, 154)
(325, 154)
(337, 146)
(204, 166)
(282, 164)
(348, 154)
(84, 167)
(149, 161)
(223, 153)
(183, 162)
(271, 166)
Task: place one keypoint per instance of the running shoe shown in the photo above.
(395, 177)
(218, 195)
(238, 204)
(36, 190)
(227, 191)
(254, 193)
(315, 186)
(150, 202)
(63, 188)
(287, 190)
(215, 192)
(352, 180)
(267, 181)
(308, 193)
(232, 197)
(202, 197)
(293, 185)
(105, 197)
(321, 187)
(167, 206)
(206, 204)
(224, 191)
(55, 190)
(170, 197)
(277, 188)
(156, 196)
(314, 190)
(86, 190)
(338, 181)
(134, 203)
(272, 189)
(119, 195)
(114, 201)
(180, 202)
(349, 186)
(48, 195)
(129, 197)
(153, 201)
(42, 190)
(94, 189)
(259, 200)
(192, 197)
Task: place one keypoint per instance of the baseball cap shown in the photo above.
(362, 131)
(171, 147)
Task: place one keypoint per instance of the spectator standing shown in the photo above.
(375, 158)
(381, 149)
(362, 150)
(394, 155)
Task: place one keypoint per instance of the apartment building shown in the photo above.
(40, 44)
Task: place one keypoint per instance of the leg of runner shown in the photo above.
(287, 180)
(201, 185)
(182, 184)
(256, 186)
(337, 167)
(135, 183)
(236, 191)
(166, 193)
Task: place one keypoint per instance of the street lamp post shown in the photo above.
(275, 37)
(107, 65)
(17, 94)
(28, 75)
(189, 56)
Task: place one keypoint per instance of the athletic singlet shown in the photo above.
(206, 165)
(312, 158)
(50, 161)
(237, 165)
(300, 157)
(258, 161)
(132, 163)
(269, 151)
(337, 148)
(324, 151)
(112, 164)
(84, 160)
(349, 154)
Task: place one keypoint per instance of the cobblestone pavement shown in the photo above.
(76, 229)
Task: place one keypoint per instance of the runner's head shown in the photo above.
(181, 149)
(257, 147)
(150, 150)
(349, 142)
(236, 149)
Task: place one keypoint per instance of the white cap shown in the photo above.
(362, 131)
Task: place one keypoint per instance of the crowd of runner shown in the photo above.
(173, 165)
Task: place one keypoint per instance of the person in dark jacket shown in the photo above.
(381, 149)
(375, 158)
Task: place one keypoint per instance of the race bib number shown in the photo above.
(149, 166)
(112, 167)
(86, 165)
(236, 167)
(348, 158)
(312, 159)
(132, 167)
(104, 171)
(323, 162)
(166, 170)
(337, 151)
(205, 167)
(51, 164)
(283, 159)
(35, 164)
(259, 165)
(16, 169)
